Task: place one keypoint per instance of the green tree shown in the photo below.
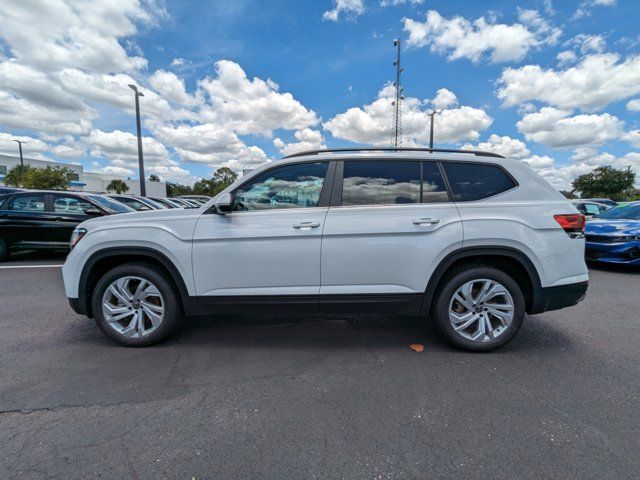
(221, 179)
(118, 186)
(154, 178)
(47, 178)
(569, 195)
(605, 181)
(176, 189)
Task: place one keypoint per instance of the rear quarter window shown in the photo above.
(475, 181)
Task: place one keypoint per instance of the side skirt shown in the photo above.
(379, 303)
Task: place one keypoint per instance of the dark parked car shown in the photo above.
(606, 201)
(589, 208)
(186, 203)
(5, 190)
(140, 204)
(44, 220)
(198, 198)
(167, 202)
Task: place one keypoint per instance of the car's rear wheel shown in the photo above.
(479, 308)
(136, 305)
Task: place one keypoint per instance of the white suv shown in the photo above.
(470, 238)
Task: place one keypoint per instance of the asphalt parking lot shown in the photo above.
(317, 397)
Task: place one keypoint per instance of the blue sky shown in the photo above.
(237, 83)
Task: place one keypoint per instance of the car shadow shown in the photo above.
(613, 267)
(35, 256)
(359, 331)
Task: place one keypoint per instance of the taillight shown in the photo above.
(572, 223)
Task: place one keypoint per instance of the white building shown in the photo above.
(85, 181)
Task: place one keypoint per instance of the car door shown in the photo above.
(66, 212)
(388, 225)
(24, 220)
(269, 244)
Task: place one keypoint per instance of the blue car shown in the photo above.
(614, 236)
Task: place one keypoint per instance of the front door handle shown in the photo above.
(425, 221)
(306, 225)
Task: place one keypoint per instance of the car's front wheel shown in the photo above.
(136, 305)
(479, 308)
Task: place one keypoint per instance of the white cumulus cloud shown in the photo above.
(307, 139)
(344, 7)
(372, 123)
(559, 129)
(502, 145)
(458, 37)
(595, 82)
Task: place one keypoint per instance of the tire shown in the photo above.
(4, 250)
(139, 326)
(504, 311)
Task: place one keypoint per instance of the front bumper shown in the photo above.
(562, 296)
(627, 253)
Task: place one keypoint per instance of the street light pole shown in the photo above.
(432, 114)
(20, 142)
(143, 189)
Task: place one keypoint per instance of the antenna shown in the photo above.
(397, 103)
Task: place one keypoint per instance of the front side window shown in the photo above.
(475, 181)
(27, 203)
(74, 205)
(380, 182)
(291, 186)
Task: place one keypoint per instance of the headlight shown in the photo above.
(76, 236)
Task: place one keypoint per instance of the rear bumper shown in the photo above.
(562, 296)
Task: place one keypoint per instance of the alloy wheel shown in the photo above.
(133, 306)
(481, 310)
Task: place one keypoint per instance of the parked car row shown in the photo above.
(45, 220)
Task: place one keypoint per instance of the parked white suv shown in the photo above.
(471, 239)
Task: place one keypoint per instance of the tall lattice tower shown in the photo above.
(396, 141)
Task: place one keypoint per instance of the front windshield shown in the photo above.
(624, 212)
(111, 205)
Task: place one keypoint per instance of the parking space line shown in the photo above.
(29, 266)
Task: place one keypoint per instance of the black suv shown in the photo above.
(37, 220)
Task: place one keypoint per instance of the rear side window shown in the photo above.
(380, 183)
(27, 203)
(392, 182)
(475, 181)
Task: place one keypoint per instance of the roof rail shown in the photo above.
(385, 149)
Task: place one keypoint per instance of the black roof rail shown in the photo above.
(386, 149)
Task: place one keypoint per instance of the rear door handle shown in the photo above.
(306, 225)
(424, 221)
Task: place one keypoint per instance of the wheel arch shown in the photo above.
(511, 260)
(104, 260)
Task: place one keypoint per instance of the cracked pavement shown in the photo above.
(318, 397)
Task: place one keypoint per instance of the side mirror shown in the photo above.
(93, 212)
(223, 204)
